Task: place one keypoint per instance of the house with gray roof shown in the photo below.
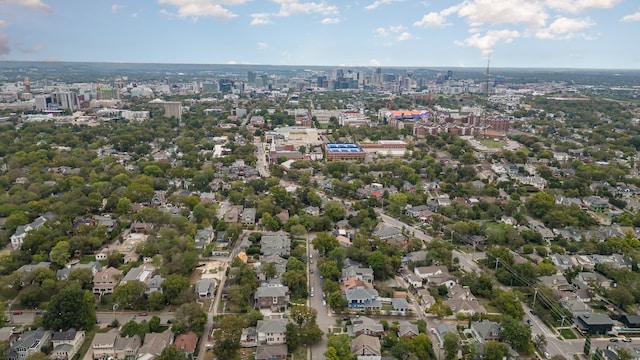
(271, 352)
(205, 287)
(389, 233)
(204, 237)
(576, 307)
(249, 216)
(366, 347)
(407, 330)
(63, 273)
(485, 330)
(275, 243)
(400, 305)
(272, 331)
(66, 344)
(154, 343)
(271, 297)
(556, 282)
(360, 298)
(441, 330)
(365, 325)
(29, 343)
(360, 273)
(154, 284)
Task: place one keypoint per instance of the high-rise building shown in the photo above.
(42, 102)
(173, 109)
(251, 78)
(27, 84)
(108, 93)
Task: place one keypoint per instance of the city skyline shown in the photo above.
(518, 33)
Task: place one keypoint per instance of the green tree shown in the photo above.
(540, 204)
(171, 353)
(378, 262)
(329, 270)
(304, 318)
(325, 242)
(189, 316)
(61, 253)
(510, 304)
(173, 287)
(336, 301)
(341, 344)
(494, 350)
(82, 276)
(227, 337)
(334, 211)
(451, 346)
(130, 294)
(269, 270)
(71, 307)
(516, 334)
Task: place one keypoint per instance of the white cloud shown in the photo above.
(396, 29)
(293, 7)
(377, 3)
(260, 19)
(431, 20)
(329, 21)
(564, 28)
(481, 12)
(203, 8)
(374, 62)
(34, 4)
(262, 46)
(631, 17)
(487, 42)
(404, 36)
(576, 6)
(381, 31)
(232, 62)
(115, 8)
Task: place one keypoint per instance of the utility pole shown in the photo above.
(535, 294)
(497, 260)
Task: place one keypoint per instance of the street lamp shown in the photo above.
(115, 307)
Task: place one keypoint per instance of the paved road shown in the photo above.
(325, 318)
(261, 165)
(399, 224)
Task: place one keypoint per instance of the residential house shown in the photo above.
(233, 214)
(400, 305)
(275, 243)
(354, 282)
(154, 284)
(414, 280)
(204, 237)
(271, 297)
(362, 299)
(312, 210)
(21, 231)
(556, 282)
(154, 343)
(415, 257)
(460, 300)
(112, 345)
(106, 280)
(279, 262)
(140, 227)
(424, 272)
(485, 330)
(249, 216)
(186, 343)
(66, 344)
(441, 330)
(63, 274)
(426, 299)
(205, 287)
(563, 262)
(272, 331)
(365, 325)
(589, 281)
(593, 323)
(360, 273)
(537, 226)
(29, 343)
(142, 274)
(407, 330)
(107, 221)
(249, 337)
(596, 203)
(631, 321)
(271, 352)
(366, 347)
(389, 233)
(576, 307)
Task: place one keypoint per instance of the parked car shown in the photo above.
(143, 314)
(17, 313)
(626, 339)
(613, 340)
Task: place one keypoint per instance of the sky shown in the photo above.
(400, 33)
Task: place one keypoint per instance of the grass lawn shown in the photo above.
(490, 308)
(567, 334)
(492, 143)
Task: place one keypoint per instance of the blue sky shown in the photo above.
(517, 33)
